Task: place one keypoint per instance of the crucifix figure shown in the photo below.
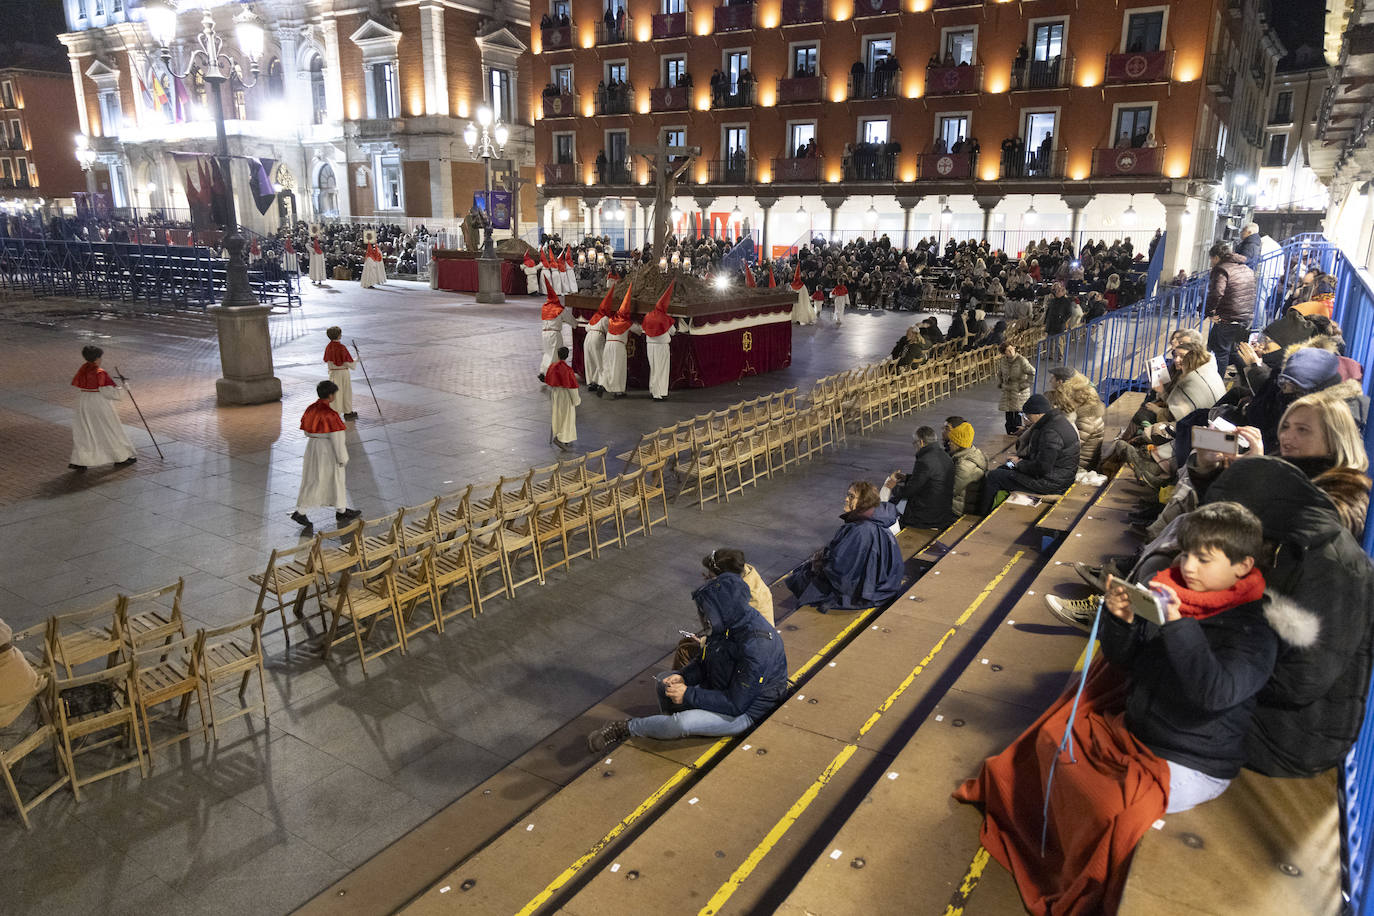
(510, 179)
(667, 164)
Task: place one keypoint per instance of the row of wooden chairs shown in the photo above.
(677, 441)
(725, 466)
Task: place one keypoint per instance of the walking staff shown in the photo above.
(363, 367)
(120, 375)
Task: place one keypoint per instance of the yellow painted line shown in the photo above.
(765, 846)
(966, 886)
(779, 829)
(819, 657)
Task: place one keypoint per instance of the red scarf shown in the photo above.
(90, 377)
(321, 417)
(316, 247)
(337, 353)
(1201, 605)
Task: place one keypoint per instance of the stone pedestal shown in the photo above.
(489, 280)
(245, 356)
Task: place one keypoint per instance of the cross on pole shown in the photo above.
(666, 174)
(510, 179)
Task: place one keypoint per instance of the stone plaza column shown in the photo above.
(834, 204)
(245, 356)
(1175, 246)
(765, 204)
(1075, 203)
(907, 203)
(593, 218)
(988, 203)
(704, 206)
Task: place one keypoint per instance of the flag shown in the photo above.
(183, 100)
(260, 182)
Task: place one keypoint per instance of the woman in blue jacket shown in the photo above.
(862, 565)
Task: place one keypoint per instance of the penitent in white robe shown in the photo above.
(322, 478)
(374, 273)
(660, 358)
(97, 435)
(613, 363)
(342, 375)
(841, 303)
(551, 338)
(531, 280)
(802, 312)
(565, 402)
(316, 268)
(593, 352)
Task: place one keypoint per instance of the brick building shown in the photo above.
(886, 89)
(362, 109)
(37, 122)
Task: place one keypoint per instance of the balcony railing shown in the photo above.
(563, 105)
(954, 80)
(1140, 67)
(1282, 116)
(737, 18)
(563, 174)
(742, 97)
(795, 90)
(870, 166)
(945, 167)
(802, 12)
(618, 171)
(954, 4)
(671, 25)
(792, 170)
(1208, 164)
(674, 98)
(1034, 164)
(1221, 77)
(558, 37)
(737, 170)
(617, 32)
(865, 8)
(1110, 162)
(885, 84)
(1055, 73)
(616, 101)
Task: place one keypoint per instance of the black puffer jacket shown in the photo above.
(1231, 290)
(1310, 713)
(928, 490)
(742, 668)
(1051, 452)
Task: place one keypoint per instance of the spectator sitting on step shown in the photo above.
(727, 560)
(740, 676)
(1071, 392)
(925, 496)
(19, 684)
(1048, 461)
(970, 464)
(862, 565)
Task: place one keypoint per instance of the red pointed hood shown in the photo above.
(544, 258)
(657, 322)
(606, 306)
(749, 278)
(529, 261)
(620, 322)
(552, 307)
(771, 281)
(797, 281)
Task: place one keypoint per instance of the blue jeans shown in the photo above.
(685, 721)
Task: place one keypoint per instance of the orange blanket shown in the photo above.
(1100, 806)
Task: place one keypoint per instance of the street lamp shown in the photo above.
(487, 144)
(245, 346)
(85, 157)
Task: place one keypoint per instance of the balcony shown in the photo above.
(1139, 67)
(671, 25)
(375, 128)
(563, 174)
(614, 172)
(614, 101)
(1281, 116)
(798, 90)
(1208, 165)
(1031, 75)
(1131, 162)
(954, 4)
(737, 18)
(616, 32)
(866, 165)
(735, 170)
(1221, 78)
(670, 98)
(865, 8)
(563, 105)
(802, 12)
(884, 84)
(742, 97)
(955, 80)
(1037, 164)
(809, 169)
(944, 167)
(558, 37)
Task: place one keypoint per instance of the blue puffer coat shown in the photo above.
(742, 668)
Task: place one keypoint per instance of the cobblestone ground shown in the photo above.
(348, 763)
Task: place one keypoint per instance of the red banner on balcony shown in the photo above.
(670, 25)
(876, 7)
(935, 166)
(1142, 67)
(562, 173)
(799, 89)
(1144, 160)
(674, 99)
(734, 18)
(947, 80)
(796, 12)
(797, 169)
(559, 106)
(557, 38)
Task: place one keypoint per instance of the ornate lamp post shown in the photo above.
(85, 156)
(245, 346)
(487, 144)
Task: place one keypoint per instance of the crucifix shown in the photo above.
(510, 179)
(667, 164)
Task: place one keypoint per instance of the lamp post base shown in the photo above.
(245, 354)
(489, 280)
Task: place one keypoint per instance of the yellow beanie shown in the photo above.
(961, 436)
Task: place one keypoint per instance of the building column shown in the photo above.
(1075, 203)
(988, 203)
(287, 39)
(78, 83)
(541, 203)
(432, 56)
(766, 205)
(834, 204)
(441, 188)
(592, 220)
(1175, 246)
(908, 204)
(333, 71)
(643, 211)
(704, 206)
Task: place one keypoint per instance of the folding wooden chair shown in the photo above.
(550, 529)
(779, 442)
(378, 539)
(646, 449)
(572, 472)
(413, 585)
(450, 565)
(32, 643)
(508, 492)
(290, 576)
(702, 465)
(629, 501)
(74, 727)
(544, 482)
(163, 673)
(145, 620)
(82, 637)
(602, 509)
(656, 494)
(417, 526)
(486, 556)
(453, 512)
(336, 552)
(366, 598)
(228, 653)
(577, 517)
(595, 465)
(517, 539)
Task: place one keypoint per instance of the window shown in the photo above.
(617, 146)
(116, 6)
(4, 137)
(563, 149)
(498, 95)
(7, 92)
(617, 72)
(383, 96)
(674, 6)
(6, 171)
(81, 9)
(736, 143)
(875, 51)
(21, 172)
(952, 128)
(674, 136)
(274, 79)
(318, 99)
(388, 184)
(674, 70)
(959, 45)
(1144, 31)
(736, 62)
(100, 7)
(873, 130)
(326, 191)
(1278, 148)
(563, 79)
(804, 60)
(1133, 126)
(799, 135)
(1047, 41)
(1039, 139)
(559, 8)
(1283, 107)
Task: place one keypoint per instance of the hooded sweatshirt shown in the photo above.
(742, 668)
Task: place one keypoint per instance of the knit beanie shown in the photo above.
(961, 436)
(1036, 404)
(1310, 369)
(1291, 329)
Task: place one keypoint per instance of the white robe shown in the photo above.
(613, 363)
(531, 280)
(374, 273)
(316, 268)
(660, 357)
(570, 280)
(342, 375)
(802, 313)
(322, 478)
(593, 349)
(433, 273)
(97, 435)
(841, 303)
(565, 401)
(551, 337)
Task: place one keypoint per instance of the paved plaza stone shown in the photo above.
(348, 764)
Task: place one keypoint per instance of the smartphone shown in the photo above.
(686, 635)
(1255, 338)
(1216, 440)
(1144, 603)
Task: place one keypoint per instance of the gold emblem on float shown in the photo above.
(629, 345)
(746, 342)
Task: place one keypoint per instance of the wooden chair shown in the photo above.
(163, 673)
(228, 653)
(596, 465)
(453, 512)
(336, 552)
(629, 501)
(646, 449)
(289, 577)
(577, 517)
(366, 598)
(601, 506)
(551, 529)
(572, 472)
(73, 729)
(144, 620)
(517, 539)
(32, 643)
(735, 461)
(450, 565)
(779, 443)
(703, 465)
(486, 556)
(545, 482)
(378, 539)
(417, 526)
(656, 494)
(82, 637)
(413, 585)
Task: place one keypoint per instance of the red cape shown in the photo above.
(559, 375)
(771, 282)
(552, 307)
(657, 322)
(840, 290)
(337, 353)
(316, 247)
(797, 282)
(373, 253)
(620, 322)
(749, 278)
(290, 249)
(90, 376)
(321, 417)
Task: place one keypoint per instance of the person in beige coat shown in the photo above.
(1014, 375)
(1071, 392)
(19, 683)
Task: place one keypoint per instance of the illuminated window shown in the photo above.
(389, 188)
(563, 79)
(498, 94)
(1144, 31)
(800, 136)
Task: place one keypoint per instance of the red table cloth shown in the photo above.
(460, 275)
